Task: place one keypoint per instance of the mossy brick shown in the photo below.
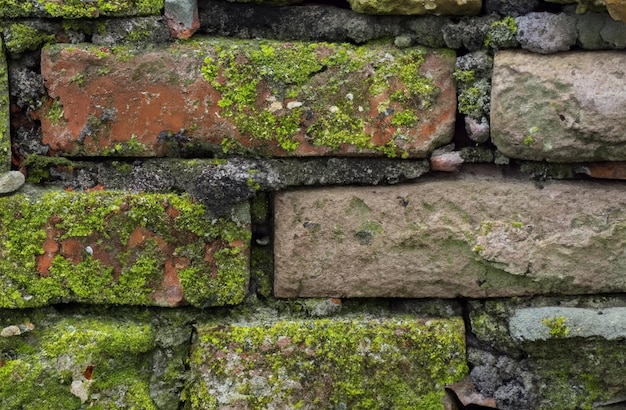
(5, 136)
(79, 360)
(399, 362)
(106, 247)
(210, 95)
(74, 9)
(475, 235)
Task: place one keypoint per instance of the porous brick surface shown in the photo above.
(327, 363)
(562, 108)
(106, 247)
(248, 96)
(473, 237)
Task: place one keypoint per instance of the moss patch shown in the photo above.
(73, 9)
(21, 37)
(327, 95)
(105, 247)
(75, 362)
(368, 363)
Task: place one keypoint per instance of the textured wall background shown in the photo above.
(305, 205)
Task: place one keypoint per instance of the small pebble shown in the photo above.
(11, 181)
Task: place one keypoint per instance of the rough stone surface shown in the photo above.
(473, 237)
(11, 181)
(70, 9)
(543, 323)
(469, 33)
(112, 358)
(537, 113)
(340, 363)
(546, 32)
(342, 100)
(220, 184)
(113, 248)
(316, 23)
(561, 353)
(182, 17)
(417, 7)
(510, 7)
(143, 30)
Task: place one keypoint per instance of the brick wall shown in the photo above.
(312, 205)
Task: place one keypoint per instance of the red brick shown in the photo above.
(117, 248)
(267, 97)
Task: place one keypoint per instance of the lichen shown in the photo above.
(328, 90)
(327, 363)
(103, 358)
(22, 37)
(15, 8)
(501, 34)
(75, 9)
(474, 98)
(557, 326)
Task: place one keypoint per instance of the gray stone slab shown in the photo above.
(472, 237)
(567, 107)
(544, 323)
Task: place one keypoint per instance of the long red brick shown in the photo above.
(264, 97)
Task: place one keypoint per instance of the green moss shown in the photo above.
(464, 76)
(15, 8)
(261, 270)
(61, 352)
(75, 9)
(575, 373)
(367, 230)
(259, 208)
(21, 37)
(55, 112)
(474, 98)
(501, 34)
(104, 221)
(328, 363)
(334, 104)
(557, 326)
(129, 148)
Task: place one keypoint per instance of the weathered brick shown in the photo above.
(561, 108)
(474, 237)
(236, 95)
(5, 136)
(115, 248)
(327, 363)
(73, 9)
